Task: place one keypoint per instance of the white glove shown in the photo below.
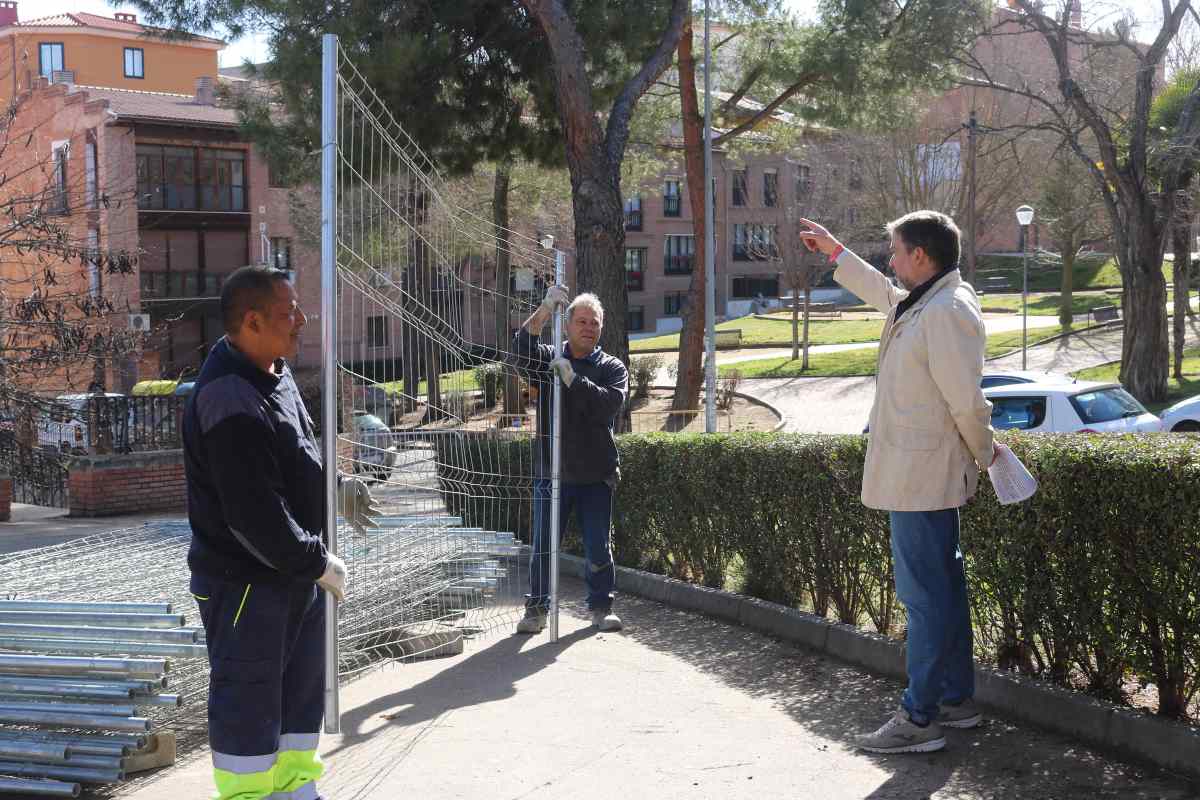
(356, 504)
(562, 367)
(333, 579)
(555, 296)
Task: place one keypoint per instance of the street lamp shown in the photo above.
(1024, 219)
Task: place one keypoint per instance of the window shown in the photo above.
(633, 214)
(749, 286)
(277, 176)
(635, 268)
(678, 253)
(803, 180)
(281, 253)
(92, 195)
(149, 176)
(635, 318)
(57, 201)
(754, 242)
(93, 240)
(50, 58)
(674, 303)
(134, 63)
(740, 190)
(851, 216)
(770, 188)
(856, 179)
(1021, 413)
(377, 332)
(222, 180)
(1105, 405)
(671, 199)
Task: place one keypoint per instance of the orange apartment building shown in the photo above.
(144, 159)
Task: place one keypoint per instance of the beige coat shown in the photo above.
(930, 424)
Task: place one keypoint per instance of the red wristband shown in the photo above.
(837, 251)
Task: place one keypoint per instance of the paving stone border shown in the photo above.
(1129, 733)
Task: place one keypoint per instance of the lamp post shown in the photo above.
(560, 267)
(1024, 219)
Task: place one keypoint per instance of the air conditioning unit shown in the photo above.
(139, 322)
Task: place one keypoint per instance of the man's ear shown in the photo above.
(252, 321)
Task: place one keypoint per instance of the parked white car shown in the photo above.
(1183, 417)
(993, 377)
(375, 452)
(1079, 407)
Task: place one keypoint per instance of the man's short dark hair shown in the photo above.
(247, 289)
(933, 232)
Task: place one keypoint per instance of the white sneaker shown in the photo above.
(900, 735)
(964, 715)
(606, 620)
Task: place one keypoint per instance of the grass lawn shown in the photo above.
(1176, 390)
(778, 332)
(1046, 303)
(1093, 272)
(462, 380)
(850, 363)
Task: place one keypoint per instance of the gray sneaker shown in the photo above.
(606, 620)
(534, 621)
(964, 715)
(900, 735)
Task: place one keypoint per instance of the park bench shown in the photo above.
(996, 283)
(820, 309)
(1101, 314)
(728, 338)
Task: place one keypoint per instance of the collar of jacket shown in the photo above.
(239, 363)
(592, 357)
(921, 294)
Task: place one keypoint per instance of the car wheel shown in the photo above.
(1187, 426)
(383, 474)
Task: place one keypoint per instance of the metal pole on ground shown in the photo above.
(560, 277)
(329, 408)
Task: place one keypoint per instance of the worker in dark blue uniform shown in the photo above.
(256, 504)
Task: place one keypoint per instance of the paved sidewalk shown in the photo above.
(38, 526)
(677, 706)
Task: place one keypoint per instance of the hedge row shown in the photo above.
(1094, 583)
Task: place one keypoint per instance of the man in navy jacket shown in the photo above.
(256, 504)
(595, 385)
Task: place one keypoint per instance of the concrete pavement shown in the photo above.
(38, 526)
(677, 706)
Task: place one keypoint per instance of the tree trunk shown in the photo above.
(500, 218)
(1179, 276)
(1066, 286)
(691, 338)
(1145, 347)
(807, 298)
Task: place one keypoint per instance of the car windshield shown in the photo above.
(1106, 405)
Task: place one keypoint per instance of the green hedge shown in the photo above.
(1095, 583)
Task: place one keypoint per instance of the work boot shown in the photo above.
(606, 620)
(963, 715)
(901, 735)
(534, 621)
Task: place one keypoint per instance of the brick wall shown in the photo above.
(6, 494)
(103, 486)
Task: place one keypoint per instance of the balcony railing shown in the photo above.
(633, 220)
(172, 285)
(634, 281)
(671, 205)
(677, 265)
(743, 252)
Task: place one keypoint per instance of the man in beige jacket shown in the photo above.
(930, 434)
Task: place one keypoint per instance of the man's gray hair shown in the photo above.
(586, 300)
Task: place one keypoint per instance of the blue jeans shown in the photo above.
(932, 584)
(592, 504)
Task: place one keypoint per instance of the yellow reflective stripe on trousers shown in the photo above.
(290, 774)
(241, 605)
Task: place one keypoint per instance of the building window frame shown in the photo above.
(804, 184)
(635, 318)
(633, 213)
(91, 168)
(135, 63)
(770, 188)
(58, 200)
(749, 287)
(281, 253)
(679, 253)
(635, 268)
(377, 332)
(48, 70)
(674, 304)
(741, 186)
(755, 242)
(672, 197)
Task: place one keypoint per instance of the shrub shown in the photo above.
(727, 390)
(643, 369)
(1091, 582)
(490, 378)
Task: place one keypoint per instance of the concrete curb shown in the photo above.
(1129, 733)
